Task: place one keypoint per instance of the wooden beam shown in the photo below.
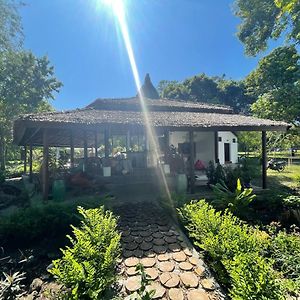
(85, 151)
(106, 142)
(25, 160)
(30, 163)
(72, 148)
(45, 171)
(192, 162)
(216, 136)
(264, 159)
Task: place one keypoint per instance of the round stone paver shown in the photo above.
(169, 280)
(127, 253)
(159, 249)
(189, 279)
(131, 246)
(186, 266)
(152, 273)
(148, 262)
(208, 284)
(131, 262)
(150, 254)
(194, 261)
(148, 238)
(179, 256)
(158, 242)
(132, 284)
(145, 246)
(176, 294)
(157, 235)
(200, 270)
(174, 247)
(170, 239)
(138, 253)
(197, 295)
(158, 288)
(187, 252)
(131, 271)
(166, 266)
(145, 233)
(163, 257)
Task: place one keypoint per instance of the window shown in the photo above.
(220, 139)
(234, 140)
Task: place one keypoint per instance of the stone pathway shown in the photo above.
(150, 238)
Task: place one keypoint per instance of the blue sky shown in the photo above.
(172, 40)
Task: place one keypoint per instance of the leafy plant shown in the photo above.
(292, 201)
(252, 277)
(88, 266)
(214, 173)
(285, 251)
(235, 249)
(142, 292)
(237, 202)
(11, 287)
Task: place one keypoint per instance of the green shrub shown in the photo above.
(285, 251)
(292, 201)
(253, 278)
(2, 176)
(88, 266)
(237, 202)
(39, 222)
(231, 244)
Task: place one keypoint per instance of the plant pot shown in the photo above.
(106, 171)
(166, 168)
(182, 183)
(58, 190)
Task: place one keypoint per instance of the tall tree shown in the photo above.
(263, 20)
(26, 85)
(276, 84)
(11, 31)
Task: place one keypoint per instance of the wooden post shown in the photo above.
(264, 159)
(192, 159)
(96, 144)
(106, 143)
(166, 136)
(30, 163)
(127, 141)
(45, 165)
(25, 160)
(85, 151)
(216, 147)
(72, 149)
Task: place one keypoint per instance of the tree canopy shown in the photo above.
(263, 20)
(202, 88)
(276, 85)
(11, 31)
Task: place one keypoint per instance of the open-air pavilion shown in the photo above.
(193, 129)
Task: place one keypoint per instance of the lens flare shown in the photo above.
(120, 14)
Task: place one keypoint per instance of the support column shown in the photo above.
(192, 159)
(45, 165)
(264, 159)
(166, 136)
(106, 143)
(216, 147)
(25, 160)
(72, 149)
(96, 144)
(85, 151)
(30, 163)
(128, 141)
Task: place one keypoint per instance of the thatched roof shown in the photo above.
(120, 115)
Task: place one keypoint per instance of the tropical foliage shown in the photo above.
(88, 266)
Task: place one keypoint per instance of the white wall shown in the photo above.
(227, 137)
(204, 144)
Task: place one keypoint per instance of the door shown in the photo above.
(227, 152)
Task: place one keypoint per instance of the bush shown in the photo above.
(88, 267)
(253, 278)
(231, 244)
(292, 201)
(39, 222)
(285, 251)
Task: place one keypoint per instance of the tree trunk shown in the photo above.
(2, 152)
